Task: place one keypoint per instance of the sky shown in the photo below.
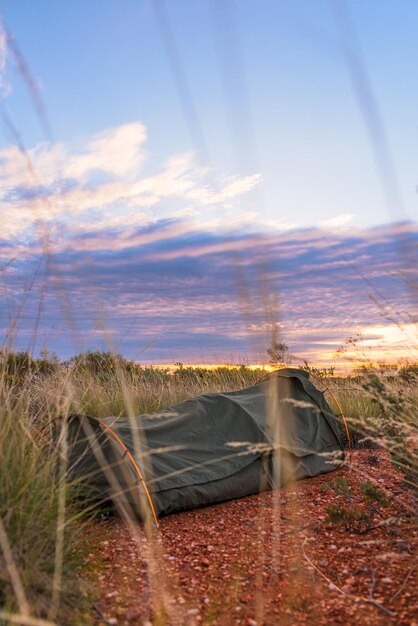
(179, 178)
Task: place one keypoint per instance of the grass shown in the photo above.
(39, 508)
(33, 517)
(382, 411)
(38, 502)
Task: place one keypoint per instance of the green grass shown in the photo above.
(36, 505)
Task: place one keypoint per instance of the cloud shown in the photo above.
(169, 256)
(400, 340)
(101, 184)
(337, 222)
(199, 291)
(116, 151)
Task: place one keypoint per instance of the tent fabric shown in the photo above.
(211, 448)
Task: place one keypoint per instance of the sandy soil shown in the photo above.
(267, 559)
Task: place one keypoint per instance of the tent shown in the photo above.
(211, 448)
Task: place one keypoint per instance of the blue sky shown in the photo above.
(221, 120)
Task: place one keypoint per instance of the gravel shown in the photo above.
(267, 559)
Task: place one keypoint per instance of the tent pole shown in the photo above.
(137, 470)
(340, 410)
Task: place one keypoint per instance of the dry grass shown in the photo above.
(39, 508)
(38, 538)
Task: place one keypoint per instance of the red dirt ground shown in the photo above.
(267, 559)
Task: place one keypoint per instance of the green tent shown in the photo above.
(208, 449)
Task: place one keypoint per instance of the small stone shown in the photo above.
(193, 612)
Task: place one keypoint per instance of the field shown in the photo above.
(270, 559)
(346, 539)
(208, 182)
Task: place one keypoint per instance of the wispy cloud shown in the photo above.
(180, 285)
(100, 184)
(116, 151)
(161, 256)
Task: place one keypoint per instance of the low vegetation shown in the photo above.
(39, 511)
